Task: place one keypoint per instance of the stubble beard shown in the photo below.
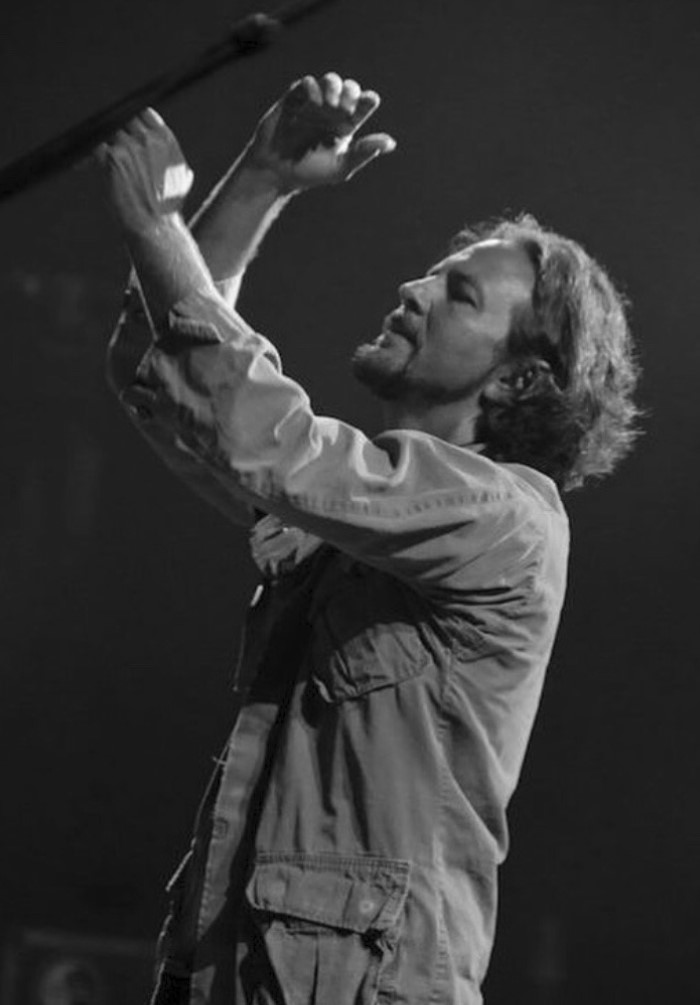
(385, 378)
(394, 380)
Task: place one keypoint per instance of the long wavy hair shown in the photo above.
(573, 416)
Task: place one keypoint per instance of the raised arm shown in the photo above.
(306, 139)
(409, 503)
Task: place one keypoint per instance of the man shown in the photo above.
(346, 850)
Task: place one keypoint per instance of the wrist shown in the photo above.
(145, 226)
(261, 179)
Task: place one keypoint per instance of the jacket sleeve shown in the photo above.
(427, 511)
(128, 344)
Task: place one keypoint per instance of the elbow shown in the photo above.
(125, 351)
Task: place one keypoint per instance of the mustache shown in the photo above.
(398, 322)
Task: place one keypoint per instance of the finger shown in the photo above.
(145, 124)
(366, 149)
(113, 159)
(151, 118)
(313, 89)
(102, 154)
(306, 89)
(134, 129)
(120, 140)
(149, 123)
(349, 95)
(332, 87)
(367, 104)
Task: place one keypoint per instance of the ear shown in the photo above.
(518, 380)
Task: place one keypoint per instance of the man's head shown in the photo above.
(521, 329)
(447, 339)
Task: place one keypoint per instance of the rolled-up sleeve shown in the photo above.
(407, 502)
(128, 345)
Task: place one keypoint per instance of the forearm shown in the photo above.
(305, 140)
(168, 263)
(233, 221)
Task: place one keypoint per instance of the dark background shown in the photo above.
(122, 594)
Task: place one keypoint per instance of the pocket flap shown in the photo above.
(355, 893)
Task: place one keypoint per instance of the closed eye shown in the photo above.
(460, 288)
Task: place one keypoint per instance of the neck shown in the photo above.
(451, 421)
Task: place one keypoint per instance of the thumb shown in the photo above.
(364, 150)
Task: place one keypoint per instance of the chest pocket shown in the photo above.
(369, 631)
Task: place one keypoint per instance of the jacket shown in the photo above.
(394, 654)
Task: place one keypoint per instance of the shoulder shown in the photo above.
(467, 471)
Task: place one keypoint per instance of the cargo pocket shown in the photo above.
(329, 926)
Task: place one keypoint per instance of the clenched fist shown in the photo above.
(308, 137)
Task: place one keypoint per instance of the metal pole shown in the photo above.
(245, 38)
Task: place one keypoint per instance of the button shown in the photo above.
(367, 906)
(220, 828)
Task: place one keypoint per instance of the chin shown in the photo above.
(376, 370)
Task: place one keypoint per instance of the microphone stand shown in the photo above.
(245, 38)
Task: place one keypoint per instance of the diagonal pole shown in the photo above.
(245, 38)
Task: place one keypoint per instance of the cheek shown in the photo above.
(495, 325)
(468, 345)
(464, 359)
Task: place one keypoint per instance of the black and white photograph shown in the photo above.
(348, 536)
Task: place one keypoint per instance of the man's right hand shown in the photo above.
(308, 138)
(147, 176)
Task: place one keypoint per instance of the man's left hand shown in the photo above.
(309, 137)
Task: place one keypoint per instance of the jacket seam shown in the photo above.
(441, 954)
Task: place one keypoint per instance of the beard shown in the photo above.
(391, 378)
(384, 374)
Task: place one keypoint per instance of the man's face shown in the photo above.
(445, 340)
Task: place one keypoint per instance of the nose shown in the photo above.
(416, 294)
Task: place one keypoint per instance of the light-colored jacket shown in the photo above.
(347, 848)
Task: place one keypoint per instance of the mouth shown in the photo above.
(396, 324)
